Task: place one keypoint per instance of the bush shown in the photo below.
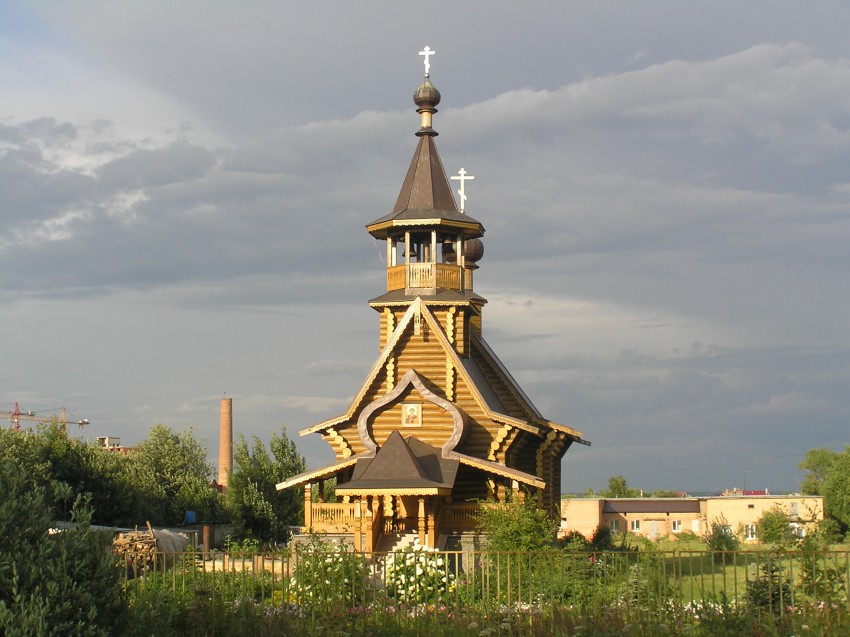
(515, 526)
(573, 541)
(767, 589)
(772, 526)
(602, 539)
(327, 573)
(827, 532)
(720, 538)
(60, 584)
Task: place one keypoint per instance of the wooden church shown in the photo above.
(439, 424)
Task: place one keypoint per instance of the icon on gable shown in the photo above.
(411, 415)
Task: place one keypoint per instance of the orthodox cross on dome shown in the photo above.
(427, 52)
(462, 177)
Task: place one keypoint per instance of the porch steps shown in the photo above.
(396, 542)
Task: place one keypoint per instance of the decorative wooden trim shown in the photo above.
(450, 324)
(390, 369)
(396, 491)
(498, 469)
(575, 434)
(411, 378)
(315, 474)
(433, 221)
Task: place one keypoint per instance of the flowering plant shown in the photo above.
(418, 574)
(327, 572)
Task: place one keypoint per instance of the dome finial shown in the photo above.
(426, 96)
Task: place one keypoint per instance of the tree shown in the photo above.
(665, 493)
(836, 489)
(772, 526)
(829, 476)
(619, 488)
(261, 510)
(817, 464)
(173, 470)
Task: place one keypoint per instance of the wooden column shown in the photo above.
(369, 531)
(358, 527)
(433, 255)
(308, 507)
(432, 531)
(421, 521)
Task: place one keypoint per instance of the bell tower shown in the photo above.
(432, 248)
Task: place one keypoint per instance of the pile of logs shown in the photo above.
(136, 548)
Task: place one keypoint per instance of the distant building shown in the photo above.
(656, 518)
(113, 443)
(738, 492)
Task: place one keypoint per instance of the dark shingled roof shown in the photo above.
(426, 193)
(403, 464)
(444, 295)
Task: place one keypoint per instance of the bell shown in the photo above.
(449, 254)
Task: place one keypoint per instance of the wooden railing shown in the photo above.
(425, 276)
(333, 516)
(396, 277)
(458, 517)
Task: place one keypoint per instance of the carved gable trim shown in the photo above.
(412, 378)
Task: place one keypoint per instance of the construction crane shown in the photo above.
(16, 416)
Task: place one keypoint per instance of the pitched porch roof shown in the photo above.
(403, 466)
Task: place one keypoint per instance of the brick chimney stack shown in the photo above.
(225, 442)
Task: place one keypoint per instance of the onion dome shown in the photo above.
(426, 99)
(473, 250)
(426, 96)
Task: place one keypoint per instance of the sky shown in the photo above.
(665, 187)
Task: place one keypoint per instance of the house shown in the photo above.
(439, 424)
(656, 518)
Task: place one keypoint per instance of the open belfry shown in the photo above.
(439, 424)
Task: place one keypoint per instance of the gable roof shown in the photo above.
(479, 388)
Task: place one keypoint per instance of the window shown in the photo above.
(751, 506)
(750, 531)
(635, 526)
(614, 525)
(677, 526)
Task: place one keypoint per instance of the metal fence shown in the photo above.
(325, 578)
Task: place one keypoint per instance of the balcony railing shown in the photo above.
(425, 276)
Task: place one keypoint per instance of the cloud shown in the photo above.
(666, 226)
